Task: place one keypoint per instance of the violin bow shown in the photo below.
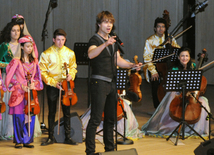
(210, 63)
(154, 61)
(28, 91)
(60, 93)
(166, 41)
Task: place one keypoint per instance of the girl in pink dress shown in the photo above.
(16, 76)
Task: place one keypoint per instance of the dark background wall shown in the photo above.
(134, 22)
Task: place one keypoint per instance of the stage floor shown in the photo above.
(144, 146)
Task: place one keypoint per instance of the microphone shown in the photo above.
(117, 38)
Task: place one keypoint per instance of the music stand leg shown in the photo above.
(183, 123)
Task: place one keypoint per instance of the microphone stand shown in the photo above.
(191, 13)
(210, 116)
(44, 34)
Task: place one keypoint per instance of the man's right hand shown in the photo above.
(110, 41)
(155, 77)
(58, 85)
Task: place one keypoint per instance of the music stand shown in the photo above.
(178, 80)
(161, 52)
(81, 52)
(121, 85)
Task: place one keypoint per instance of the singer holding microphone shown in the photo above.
(104, 56)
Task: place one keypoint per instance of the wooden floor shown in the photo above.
(144, 146)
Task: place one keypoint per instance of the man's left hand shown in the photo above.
(69, 78)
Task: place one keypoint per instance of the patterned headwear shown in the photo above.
(27, 39)
(25, 32)
(17, 16)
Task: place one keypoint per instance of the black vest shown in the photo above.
(104, 64)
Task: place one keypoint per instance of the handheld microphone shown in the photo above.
(117, 38)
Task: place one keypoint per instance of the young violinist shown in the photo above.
(102, 53)
(152, 43)
(51, 65)
(17, 83)
(161, 123)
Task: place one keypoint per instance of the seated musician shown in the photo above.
(152, 43)
(161, 124)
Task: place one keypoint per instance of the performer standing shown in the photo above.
(16, 75)
(103, 54)
(151, 44)
(9, 49)
(161, 124)
(19, 19)
(51, 66)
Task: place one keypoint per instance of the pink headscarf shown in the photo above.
(26, 39)
(17, 16)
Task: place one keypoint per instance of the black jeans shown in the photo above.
(53, 94)
(103, 98)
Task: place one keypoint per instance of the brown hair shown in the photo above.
(102, 16)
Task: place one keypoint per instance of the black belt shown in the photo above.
(100, 77)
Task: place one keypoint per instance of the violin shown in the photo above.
(32, 107)
(193, 108)
(135, 82)
(2, 104)
(119, 109)
(69, 97)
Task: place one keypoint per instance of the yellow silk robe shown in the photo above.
(150, 45)
(52, 64)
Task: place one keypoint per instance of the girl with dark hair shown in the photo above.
(16, 82)
(19, 19)
(9, 49)
(161, 124)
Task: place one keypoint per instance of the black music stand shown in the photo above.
(178, 80)
(81, 52)
(121, 85)
(161, 52)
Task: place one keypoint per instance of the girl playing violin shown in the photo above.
(161, 124)
(16, 76)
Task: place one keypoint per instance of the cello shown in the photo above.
(193, 108)
(162, 67)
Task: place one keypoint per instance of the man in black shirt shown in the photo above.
(104, 57)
